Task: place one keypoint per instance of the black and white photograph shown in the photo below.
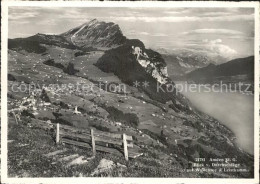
(131, 91)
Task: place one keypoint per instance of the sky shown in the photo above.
(228, 32)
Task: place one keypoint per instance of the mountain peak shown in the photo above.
(96, 34)
(93, 20)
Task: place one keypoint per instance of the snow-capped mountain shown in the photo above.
(95, 34)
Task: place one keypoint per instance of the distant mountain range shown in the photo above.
(240, 68)
(181, 61)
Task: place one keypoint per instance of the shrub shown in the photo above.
(80, 53)
(82, 110)
(101, 128)
(44, 96)
(63, 122)
(64, 105)
(11, 77)
(127, 118)
(70, 69)
(27, 113)
(51, 62)
(56, 114)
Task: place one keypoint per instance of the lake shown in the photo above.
(233, 109)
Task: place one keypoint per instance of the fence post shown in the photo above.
(58, 133)
(125, 147)
(93, 142)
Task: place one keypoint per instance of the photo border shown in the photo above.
(4, 70)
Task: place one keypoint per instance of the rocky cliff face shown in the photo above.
(132, 62)
(96, 34)
(153, 64)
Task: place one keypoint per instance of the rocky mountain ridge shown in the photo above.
(95, 34)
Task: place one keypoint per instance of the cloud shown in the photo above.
(214, 31)
(209, 12)
(137, 14)
(214, 47)
(242, 38)
(187, 18)
(220, 11)
(159, 34)
(177, 11)
(223, 50)
(231, 18)
(212, 41)
(214, 14)
(22, 35)
(156, 19)
(227, 33)
(145, 34)
(24, 15)
(133, 32)
(219, 48)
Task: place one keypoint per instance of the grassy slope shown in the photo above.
(192, 137)
(28, 160)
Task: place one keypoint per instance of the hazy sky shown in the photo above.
(227, 31)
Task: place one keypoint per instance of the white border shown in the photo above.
(63, 180)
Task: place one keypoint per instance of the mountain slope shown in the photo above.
(35, 43)
(241, 66)
(95, 34)
(132, 62)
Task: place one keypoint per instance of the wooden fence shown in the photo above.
(97, 140)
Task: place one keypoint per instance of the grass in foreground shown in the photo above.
(26, 158)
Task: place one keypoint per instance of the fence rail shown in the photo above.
(97, 140)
